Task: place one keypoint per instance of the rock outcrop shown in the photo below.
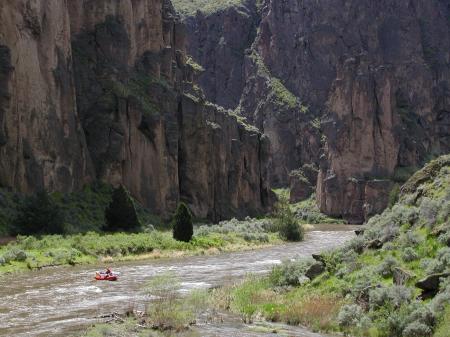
(101, 90)
(218, 41)
(359, 88)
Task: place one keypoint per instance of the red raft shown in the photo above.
(106, 277)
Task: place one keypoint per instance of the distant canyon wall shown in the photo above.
(358, 88)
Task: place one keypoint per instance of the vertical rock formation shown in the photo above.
(41, 142)
(101, 90)
(218, 42)
(365, 81)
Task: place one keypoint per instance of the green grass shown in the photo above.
(91, 247)
(443, 328)
(190, 7)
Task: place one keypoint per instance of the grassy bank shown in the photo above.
(29, 252)
(371, 286)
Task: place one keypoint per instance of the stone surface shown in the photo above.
(315, 270)
(375, 244)
(431, 282)
(101, 90)
(359, 87)
(302, 183)
(401, 276)
(218, 41)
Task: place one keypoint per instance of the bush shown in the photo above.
(167, 310)
(286, 222)
(183, 229)
(350, 315)
(393, 195)
(440, 264)
(39, 214)
(290, 273)
(356, 244)
(417, 329)
(393, 297)
(121, 213)
(409, 255)
(14, 254)
(386, 268)
(428, 211)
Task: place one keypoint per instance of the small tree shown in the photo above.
(182, 224)
(286, 222)
(39, 214)
(121, 213)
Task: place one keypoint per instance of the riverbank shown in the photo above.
(38, 301)
(29, 253)
(391, 281)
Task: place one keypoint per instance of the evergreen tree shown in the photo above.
(121, 214)
(286, 221)
(183, 229)
(39, 214)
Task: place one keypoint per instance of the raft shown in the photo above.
(106, 277)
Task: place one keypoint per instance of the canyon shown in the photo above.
(215, 104)
(100, 90)
(358, 89)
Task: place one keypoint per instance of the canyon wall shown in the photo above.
(100, 90)
(358, 88)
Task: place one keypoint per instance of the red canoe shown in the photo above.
(105, 277)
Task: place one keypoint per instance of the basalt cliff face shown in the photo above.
(100, 90)
(358, 88)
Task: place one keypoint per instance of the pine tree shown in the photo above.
(121, 214)
(39, 214)
(182, 224)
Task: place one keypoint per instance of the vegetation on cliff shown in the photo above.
(392, 280)
(190, 7)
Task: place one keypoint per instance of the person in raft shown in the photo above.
(108, 271)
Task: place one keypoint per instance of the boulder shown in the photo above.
(360, 231)
(375, 244)
(431, 282)
(315, 270)
(401, 276)
(319, 258)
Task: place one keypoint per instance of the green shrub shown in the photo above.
(393, 195)
(286, 222)
(409, 255)
(386, 268)
(350, 315)
(393, 297)
(121, 213)
(183, 229)
(14, 254)
(167, 311)
(417, 329)
(290, 273)
(39, 214)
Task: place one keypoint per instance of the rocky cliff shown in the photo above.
(358, 88)
(101, 90)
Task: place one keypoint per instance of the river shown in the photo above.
(63, 301)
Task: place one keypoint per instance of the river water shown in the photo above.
(63, 301)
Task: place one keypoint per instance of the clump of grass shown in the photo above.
(166, 310)
(318, 312)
